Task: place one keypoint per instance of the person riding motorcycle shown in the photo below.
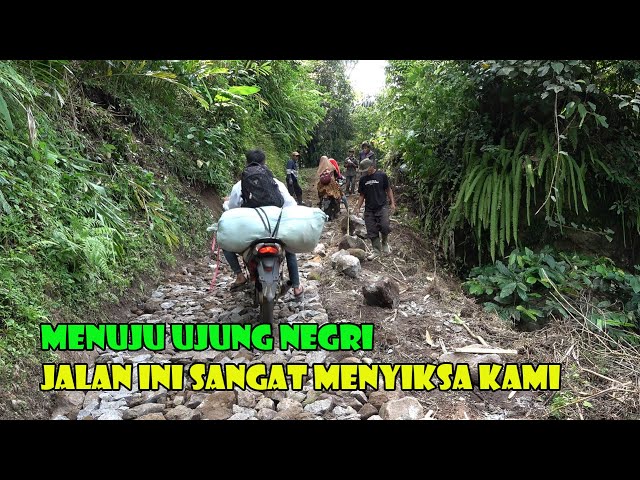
(234, 200)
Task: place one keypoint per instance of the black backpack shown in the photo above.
(259, 189)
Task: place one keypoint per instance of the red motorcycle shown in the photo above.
(264, 260)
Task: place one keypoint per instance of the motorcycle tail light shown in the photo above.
(268, 250)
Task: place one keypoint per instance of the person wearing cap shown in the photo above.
(350, 166)
(292, 177)
(366, 152)
(374, 190)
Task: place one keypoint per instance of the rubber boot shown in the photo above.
(376, 248)
(385, 245)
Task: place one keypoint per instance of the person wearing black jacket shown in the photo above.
(374, 191)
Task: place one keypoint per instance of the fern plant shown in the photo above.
(494, 184)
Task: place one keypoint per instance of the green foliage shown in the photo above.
(290, 103)
(533, 286)
(87, 149)
(565, 133)
(332, 136)
(242, 101)
(490, 195)
(367, 124)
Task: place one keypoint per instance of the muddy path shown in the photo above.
(424, 327)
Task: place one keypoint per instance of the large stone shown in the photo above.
(335, 256)
(152, 416)
(143, 357)
(68, 404)
(312, 396)
(296, 395)
(471, 359)
(342, 412)
(287, 403)
(319, 250)
(240, 416)
(356, 226)
(360, 396)
(307, 416)
(265, 402)
(111, 414)
(319, 406)
(287, 414)
(148, 396)
(406, 408)
(195, 399)
(242, 413)
(348, 265)
(383, 293)
(266, 414)
(276, 395)
(185, 413)
(91, 400)
(246, 354)
(359, 253)
(349, 241)
(378, 397)
(246, 399)
(352, 402)
(367, 410)
(153, 305)
(218, 405)
(141, 410)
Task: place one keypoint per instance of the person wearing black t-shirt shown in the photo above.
(374, 189)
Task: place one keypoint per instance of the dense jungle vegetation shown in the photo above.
(525, 173)
(504, 158)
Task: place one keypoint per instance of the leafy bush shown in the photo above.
(532, 287)
(487, 142)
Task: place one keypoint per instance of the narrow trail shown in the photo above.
(421, 329)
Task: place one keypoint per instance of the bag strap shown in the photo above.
(265, 221)
(275, 231)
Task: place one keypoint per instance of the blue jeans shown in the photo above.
(292, 266)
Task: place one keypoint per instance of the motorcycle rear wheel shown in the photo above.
(266, 311)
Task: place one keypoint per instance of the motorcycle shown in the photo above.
(264, 260)
(330, 206)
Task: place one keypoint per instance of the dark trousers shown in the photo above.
(377, 222)
(294, 189)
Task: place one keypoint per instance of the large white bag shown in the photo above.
(300, 227)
